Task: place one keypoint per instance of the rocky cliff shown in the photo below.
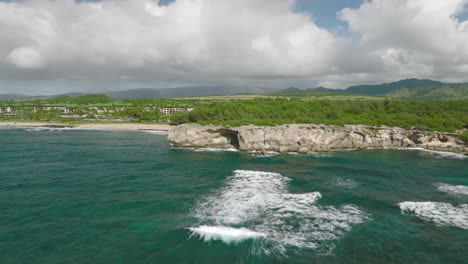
(312, 138)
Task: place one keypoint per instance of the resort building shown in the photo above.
(173, 110)
(63, 109)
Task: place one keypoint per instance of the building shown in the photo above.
(63, 109)
(173, 110)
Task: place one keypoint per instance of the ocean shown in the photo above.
(83, 196)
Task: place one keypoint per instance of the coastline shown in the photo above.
(267, 140)
(310, 138)
(97, 126)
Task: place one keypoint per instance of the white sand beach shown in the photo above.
(124, 127)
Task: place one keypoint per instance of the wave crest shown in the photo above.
(260, 203)
(452, 189)
(226, 234)
(442, 214)
(439, 154)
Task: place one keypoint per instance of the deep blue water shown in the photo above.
(127, 197)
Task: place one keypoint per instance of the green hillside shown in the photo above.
(404, 89)
(386, 88)
(448, 91)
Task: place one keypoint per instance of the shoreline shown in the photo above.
(310, 138)
(209, 142)
(110, 126)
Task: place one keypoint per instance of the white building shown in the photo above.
(173, 110)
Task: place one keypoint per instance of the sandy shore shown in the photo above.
(120, 127)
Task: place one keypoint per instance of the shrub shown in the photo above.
(465, 137)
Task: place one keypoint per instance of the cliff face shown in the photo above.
(312, 138)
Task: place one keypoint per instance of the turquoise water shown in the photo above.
(126, 197)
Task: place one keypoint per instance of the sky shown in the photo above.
(60, 46)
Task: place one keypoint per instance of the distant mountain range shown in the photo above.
(155, 93)
(184, 92)
(409, 88)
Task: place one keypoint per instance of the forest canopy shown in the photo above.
(432, 115)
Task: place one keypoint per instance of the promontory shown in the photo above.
(308, 138)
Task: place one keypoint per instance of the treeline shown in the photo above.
(103, 100)
(432, 115)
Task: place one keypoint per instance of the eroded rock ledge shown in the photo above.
(312, 138)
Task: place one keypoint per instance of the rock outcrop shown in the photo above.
(312, 138)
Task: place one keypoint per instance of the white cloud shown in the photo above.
(130, 43)
(414, 37)
(25, 57)
(188, 41)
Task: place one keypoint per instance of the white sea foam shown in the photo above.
(316, 155)
(452, 189)
(264, 154)
(260, 202)
(209, 149)
(156, 132)
(215, 150)
(55, 129)
(345, 183)
(440, 154)
(442, 214)
(226, 234)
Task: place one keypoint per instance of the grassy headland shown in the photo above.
(440, 115)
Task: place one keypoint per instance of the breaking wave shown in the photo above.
(215, 150)
(452, 189)
(442, 214)
(58, 129)
(440, 154)
(53, 129)
(255, 204)
(264, 154)
(155, 132)
(226, 234)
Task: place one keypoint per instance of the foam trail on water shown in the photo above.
(260, 203)
(345, 183)
(52, 129)
(215, 150)
(156, 132)
(264, 154)
(452, 189)
(440, 154)
(57, 129)
(442, 214)
(226, 234)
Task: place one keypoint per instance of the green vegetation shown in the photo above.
(422, 114)
(245, 109)
(465, 137)
(78, 100)
(459, 91)
(404, 89)
(91, 108)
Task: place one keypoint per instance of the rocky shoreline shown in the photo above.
(312, 138)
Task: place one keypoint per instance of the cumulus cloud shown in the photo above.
(114, 44)
(414, 37)
(25, 57)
